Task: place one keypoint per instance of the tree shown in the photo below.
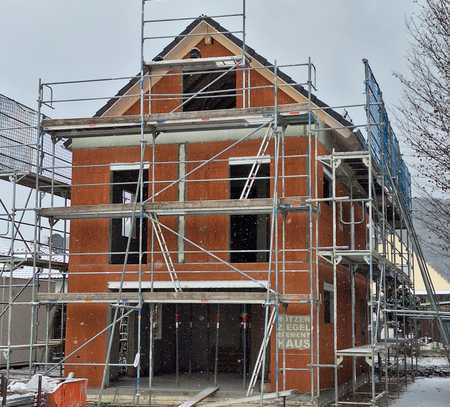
(423, 114)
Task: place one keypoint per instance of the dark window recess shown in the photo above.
(223, 90)
(328, 303)
(195, 53)
(249, 234)
(124, 191)
(327, 187)
(363, 316)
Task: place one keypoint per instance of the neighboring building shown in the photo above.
(437, 254)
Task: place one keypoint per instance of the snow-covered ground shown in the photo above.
(426, 392)
(432, 361)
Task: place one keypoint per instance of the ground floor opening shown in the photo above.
(193, 345)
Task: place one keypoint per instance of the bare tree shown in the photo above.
(424, 114)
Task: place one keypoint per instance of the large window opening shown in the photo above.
(220, 95)
(124, 192)
(249, 234)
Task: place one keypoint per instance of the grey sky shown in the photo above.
(64, 40)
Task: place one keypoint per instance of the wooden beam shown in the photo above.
(199, 397)
(251, 399)
(156, 297)
(176, 208)
(164, 122)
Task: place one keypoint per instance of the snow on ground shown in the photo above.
(432, 361)
(427, 392)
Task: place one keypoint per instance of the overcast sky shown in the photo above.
(66, 39)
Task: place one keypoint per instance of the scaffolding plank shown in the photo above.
(29, 262)
(174, 208)
(166, 122)
(51, 342)
(364, 350)
(199, 297)
(252, 399)
(199, 397)
(195, 63)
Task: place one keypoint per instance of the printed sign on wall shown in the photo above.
(295, 334)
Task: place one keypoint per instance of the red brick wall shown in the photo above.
(91, 272)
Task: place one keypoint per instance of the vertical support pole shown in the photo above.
(63, 287)
(245, 95)
(285, 316)
(334, 260)
(216, 355)
(353, 294)
(310, 233)
(273, 257)
(50, 250)
(191, 339)
(353, 291)
(152, 264)
(11, 274)
(208, 350)
(373, 332)
(36, 232)
(277, 140)
(370, 238)
(244, 323)
(177, 345)
(39, 392)
(3, 389)
(314, 300)
(142, 145)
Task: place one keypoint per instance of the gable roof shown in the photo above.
(239, 43)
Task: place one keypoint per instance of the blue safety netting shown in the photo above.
(382, 141)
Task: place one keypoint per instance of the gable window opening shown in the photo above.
(124, 192)
(328, 303)
(249, 234)
(195, 53)
(220, 91)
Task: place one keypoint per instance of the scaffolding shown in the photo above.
(373, 210)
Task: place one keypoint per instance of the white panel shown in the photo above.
(265, 159)
(133, 285)
(127, 166)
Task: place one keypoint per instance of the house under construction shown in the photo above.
(228, 230)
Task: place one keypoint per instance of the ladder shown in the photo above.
(165, 251)
(261, 354)
(257, 163)
(123, 339)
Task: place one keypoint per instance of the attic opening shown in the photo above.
(220, 91)
(124, 192)
(249, 234)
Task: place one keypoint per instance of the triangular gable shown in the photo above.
(182, 44)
